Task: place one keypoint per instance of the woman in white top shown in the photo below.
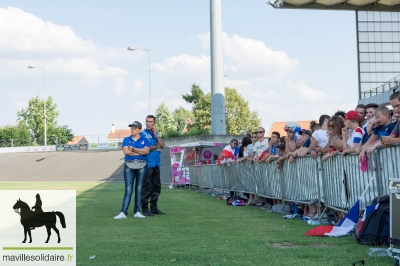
(320, 137)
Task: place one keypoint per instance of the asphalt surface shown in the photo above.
(62, 166)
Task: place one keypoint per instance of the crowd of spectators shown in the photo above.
(360, 131)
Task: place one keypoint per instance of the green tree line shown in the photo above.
(197, 121)
(29, 129)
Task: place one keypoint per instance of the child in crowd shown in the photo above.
(335, 125)
(272, 143)
(292, 129)
(394, 136)
(369, 125)
(352, 133)
(383, 127)
(280, 151)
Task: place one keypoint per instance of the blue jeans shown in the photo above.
(129, 177)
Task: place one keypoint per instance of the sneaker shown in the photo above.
(288, 216)
(139, 215)
(269, 206)
(120, 216)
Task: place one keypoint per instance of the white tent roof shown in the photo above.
(199, 144)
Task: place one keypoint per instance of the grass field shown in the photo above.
(197, 230)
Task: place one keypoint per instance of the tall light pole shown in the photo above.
(218, 113)
(45, 119)
(148, 52)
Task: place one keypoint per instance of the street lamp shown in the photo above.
(148, 51)
(45, 120)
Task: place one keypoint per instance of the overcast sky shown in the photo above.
(288, 64)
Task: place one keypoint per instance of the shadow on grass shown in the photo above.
(200, 230)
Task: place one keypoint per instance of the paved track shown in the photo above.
(62, 166)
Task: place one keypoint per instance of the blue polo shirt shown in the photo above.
(383, 131)
(153, 158)
(140, 143)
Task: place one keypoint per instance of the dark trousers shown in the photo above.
(151, 188)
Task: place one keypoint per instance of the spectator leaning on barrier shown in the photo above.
(320, 139)
(243, 150)
(383, 128)
(335, 125)
(293, 136)
(352, 133)
(369, 125)
(230, 152)
(152, 183)
(361, 110)
(394, 137)
(261, 145)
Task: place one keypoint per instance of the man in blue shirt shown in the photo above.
(151, 188)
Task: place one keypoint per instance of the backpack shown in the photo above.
(376, 228)
(234, 198)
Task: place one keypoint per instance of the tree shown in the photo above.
(201, 108)
(181, 115)
(15, 136)
(239, 118)
(165, 120)
(33, 118)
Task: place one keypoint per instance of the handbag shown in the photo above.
(136, 164)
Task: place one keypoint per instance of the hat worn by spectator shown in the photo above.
(291, 126)
(352, 115)
(136, 124)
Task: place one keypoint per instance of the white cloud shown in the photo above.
(137, 86)
(31, 33)
(302, 91)
(119, 85)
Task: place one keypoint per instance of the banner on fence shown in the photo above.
(72, 147)
(103, 146)
(28, 149)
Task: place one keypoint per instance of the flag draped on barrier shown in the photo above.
(228, 153)
(346, 225)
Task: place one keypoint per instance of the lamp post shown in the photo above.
(148, 51)
(45, 119)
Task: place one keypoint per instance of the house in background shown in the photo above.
(78, 140)
(279, 127)
(118, 135)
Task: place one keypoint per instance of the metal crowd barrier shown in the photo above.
(337, 182)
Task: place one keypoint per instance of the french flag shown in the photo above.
(342, 229)
(229, 154)
(367, 211)
(347, 223)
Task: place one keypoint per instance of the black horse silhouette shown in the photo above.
(31, 219)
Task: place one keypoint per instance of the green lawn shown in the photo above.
(197, 230)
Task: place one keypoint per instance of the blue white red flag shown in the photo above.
(347, 223)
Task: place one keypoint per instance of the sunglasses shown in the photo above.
(234, 143)
(260, 132)
(331, 125)
(254, 137)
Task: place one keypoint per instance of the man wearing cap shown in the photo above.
(152, 183)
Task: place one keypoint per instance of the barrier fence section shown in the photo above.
(337, 182)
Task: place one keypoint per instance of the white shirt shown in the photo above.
(260, 147)
(249, 150)
(321, 136)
